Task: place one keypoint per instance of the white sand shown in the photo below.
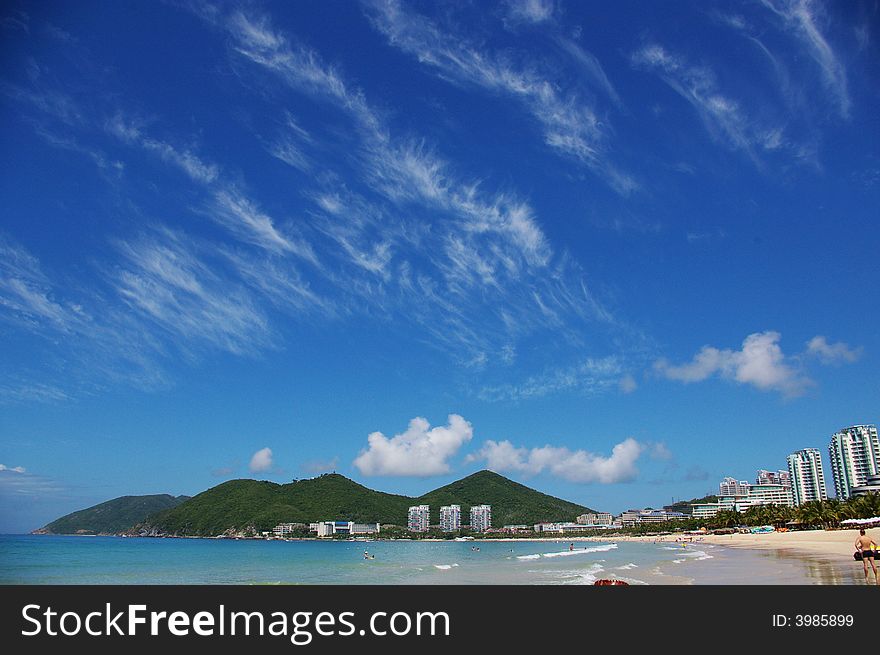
(834, 543)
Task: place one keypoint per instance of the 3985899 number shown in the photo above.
(823, 620)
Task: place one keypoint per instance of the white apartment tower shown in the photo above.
(450, 518)
(419, 518)
(807, 476)
(481, 518)
(855, 456)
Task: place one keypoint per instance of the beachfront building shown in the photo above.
(517, 529)
(333, 528)
(636, 516)
(733, 487)
(771, 477)
(756, 494)
(855, 456)
(450, 518)
(598, 518)
(419, 518)
(872, 486)
(559, 528)
(770, 494)
(481, 518)
(705, 510)
(284, 530)
(807, 476)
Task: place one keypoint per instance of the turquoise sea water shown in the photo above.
(31, 559)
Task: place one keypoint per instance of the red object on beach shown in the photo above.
(606, 582)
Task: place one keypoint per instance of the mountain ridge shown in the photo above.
(258, 505)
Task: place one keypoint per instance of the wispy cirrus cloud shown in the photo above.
(484, 243)
(723, 116)
(589, 377)
(570, 126)
(161, 277)
(195, 167)
(802, 19)
(533, 12)
(26, 293)
(243, 217)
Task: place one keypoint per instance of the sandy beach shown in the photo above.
(833, 543)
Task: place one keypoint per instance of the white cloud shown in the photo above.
(320, 465)
(569, 124)
(627, 384)
(261, 460)
(530, 11)
(14, 469)
(196, 168)
(832, 353)
(575, 466)
(243, 218)
(471, 280)
(590, 376)
(421, 451)
(168, 283)
(760, 363)
(722, 116)
(26, 295)
(659, 451)
(802, 17)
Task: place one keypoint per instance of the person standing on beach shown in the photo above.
(865, 545)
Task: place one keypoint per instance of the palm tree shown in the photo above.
(810, 513)
(867, 506)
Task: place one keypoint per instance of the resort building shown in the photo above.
(563, 527)
(770, 494)
(516, 529)
(732, 487)
(756, 494)
(419, 518)
(450, 518)
(705, 510)
(481, 518)
(807, 476)
(332, 528)
(769, 477)
(283, 530)
(636, 516)
(871, 486)
(855, 456)
(599, 518)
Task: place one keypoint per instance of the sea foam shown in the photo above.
(565, 553)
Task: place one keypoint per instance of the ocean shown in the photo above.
(40, 559)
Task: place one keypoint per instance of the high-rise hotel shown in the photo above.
(450, 518)
(481, 518)
(807, 476)
(419, 518)
(855, 457)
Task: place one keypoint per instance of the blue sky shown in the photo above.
(614, 251)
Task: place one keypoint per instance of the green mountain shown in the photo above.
(239, 504)
(113, 516)
(512, 503)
